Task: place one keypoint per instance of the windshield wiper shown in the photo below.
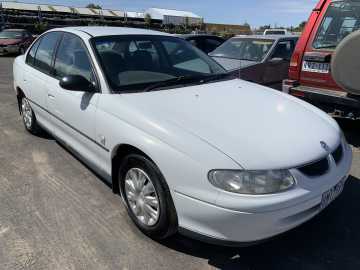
(173, 81)
(216, 77)
(188, 79)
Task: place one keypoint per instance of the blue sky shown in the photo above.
(255, 12)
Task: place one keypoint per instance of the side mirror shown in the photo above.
(76, 83)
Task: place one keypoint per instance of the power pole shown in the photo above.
(2, 19)
(39, 14)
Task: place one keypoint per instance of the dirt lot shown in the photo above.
(57, 214)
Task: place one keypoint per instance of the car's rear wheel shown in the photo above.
(147, 197)
(28, 117)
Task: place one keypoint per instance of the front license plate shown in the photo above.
(332, 194)
(316, 67)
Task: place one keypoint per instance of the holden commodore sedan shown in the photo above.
(189, 148)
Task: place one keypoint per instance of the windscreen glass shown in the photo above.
(244, 49)
(135, 62)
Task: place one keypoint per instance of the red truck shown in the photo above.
(310, 67)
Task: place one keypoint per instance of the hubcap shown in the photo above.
(142, 197)
(26, 113)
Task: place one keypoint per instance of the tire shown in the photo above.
(159, 226)
(29, 118)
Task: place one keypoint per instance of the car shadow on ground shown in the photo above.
(329, 241)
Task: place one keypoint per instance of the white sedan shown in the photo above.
(189, 148)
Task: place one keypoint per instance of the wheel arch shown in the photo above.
(19, 95)
(118, 155)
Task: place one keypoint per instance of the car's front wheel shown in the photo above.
(28, 117)
(147, 197)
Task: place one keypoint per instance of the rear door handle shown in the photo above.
(51, 96)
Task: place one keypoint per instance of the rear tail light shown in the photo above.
(295, 60)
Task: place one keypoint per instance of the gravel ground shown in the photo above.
(55, 213)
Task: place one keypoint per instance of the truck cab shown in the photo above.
(310, 75)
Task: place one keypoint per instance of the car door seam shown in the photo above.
(70, 126)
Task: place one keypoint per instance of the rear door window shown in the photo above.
(45, 52)
(72, 58)
(341, 19)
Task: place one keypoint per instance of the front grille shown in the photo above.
(317, 168)
(2, 46)
(338, 154)
(320, 167)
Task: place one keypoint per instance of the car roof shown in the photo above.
(14, 30)
(276, 29)
(198, 35)
(274, 37)
(98, 31)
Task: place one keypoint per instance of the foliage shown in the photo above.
(147, 19)
(94, 6)
(41, 27)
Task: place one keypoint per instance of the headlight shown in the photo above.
(252, 182)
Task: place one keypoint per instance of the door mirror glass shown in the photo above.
(76, 83)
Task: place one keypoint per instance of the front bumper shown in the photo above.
(246, 220)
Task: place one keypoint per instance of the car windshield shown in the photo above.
(341, 19)
(244, 49)
(10, 35)
(146, 62)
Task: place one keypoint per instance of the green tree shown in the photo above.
(187, 22)
(41, 27)
(147, 19)
(94, 6)
(302, 25)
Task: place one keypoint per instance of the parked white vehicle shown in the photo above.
(189, 148)
(276, 32)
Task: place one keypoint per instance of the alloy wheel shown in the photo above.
(27, 113)
(142, 197)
